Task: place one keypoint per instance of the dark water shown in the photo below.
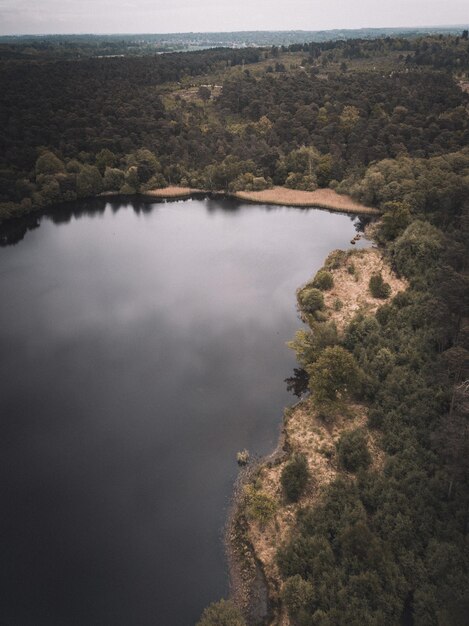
(139, 351)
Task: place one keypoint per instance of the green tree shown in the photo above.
(89, 181)
(222, 613)
(394, 221)
(104, 159)
(323, 280)
(113, 179)
(334, 374)
(297, 595)
(204, 93)
(310, 300)
(49, 163)
(294, 477)
(378, 288)
(353, 450)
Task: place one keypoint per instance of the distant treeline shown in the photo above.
(146, 43)
(313, 125)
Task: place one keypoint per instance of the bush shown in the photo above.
(323, 280)
(310, 300)
(335, 259)
(378, 288)
(297, 595)
(223, 613)
(353, 451)
(259, 506)
(294, 477)
(334, 373)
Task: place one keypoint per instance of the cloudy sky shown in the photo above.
(160, 16)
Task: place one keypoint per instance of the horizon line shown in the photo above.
(207, 32)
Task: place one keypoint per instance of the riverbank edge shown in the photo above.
(283, 196)
(326, 199)
(249, 588)
(244, 563)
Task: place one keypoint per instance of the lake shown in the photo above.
(141, 347)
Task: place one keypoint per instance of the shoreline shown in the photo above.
(250, 544)
(327, 199)
(324, 199)
(320, 198)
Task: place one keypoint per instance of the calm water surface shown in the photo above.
(140, 349)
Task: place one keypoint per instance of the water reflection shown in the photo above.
(13, 231)
(141, 346)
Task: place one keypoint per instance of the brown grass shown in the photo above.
(305, 432)
(282, 196)
(321, 198)
(171, 192)
(311, 436)
(352, 289)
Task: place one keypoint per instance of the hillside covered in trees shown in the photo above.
(385, 120)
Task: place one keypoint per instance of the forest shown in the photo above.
(384, 120)
(304, 116)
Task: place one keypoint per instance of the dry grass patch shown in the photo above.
(171, 192)
(320, 198)
(350, 287)
(307, 434)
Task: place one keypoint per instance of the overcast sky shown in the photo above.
(164, 16)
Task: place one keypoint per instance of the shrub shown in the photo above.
(297, 595)
(417, 251)
(294, 477)
(333, 374)
(353, 450)
(335, 259)
(310, 299)
(259, 506)
(323, 280)
(378, 288)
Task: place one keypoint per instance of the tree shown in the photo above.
(204, 93)
(378, 288)
(49, 163)
(333, 374)
(310, 300)
(349, 118)
(113, 179)
(297, 595)
(323, 280)
(418, 250)
(353, 450)
(89, 181)
(394, 221)
(105, 158)
(295, 476)
(222, 613)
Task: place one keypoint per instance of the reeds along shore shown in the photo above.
(320, 198)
